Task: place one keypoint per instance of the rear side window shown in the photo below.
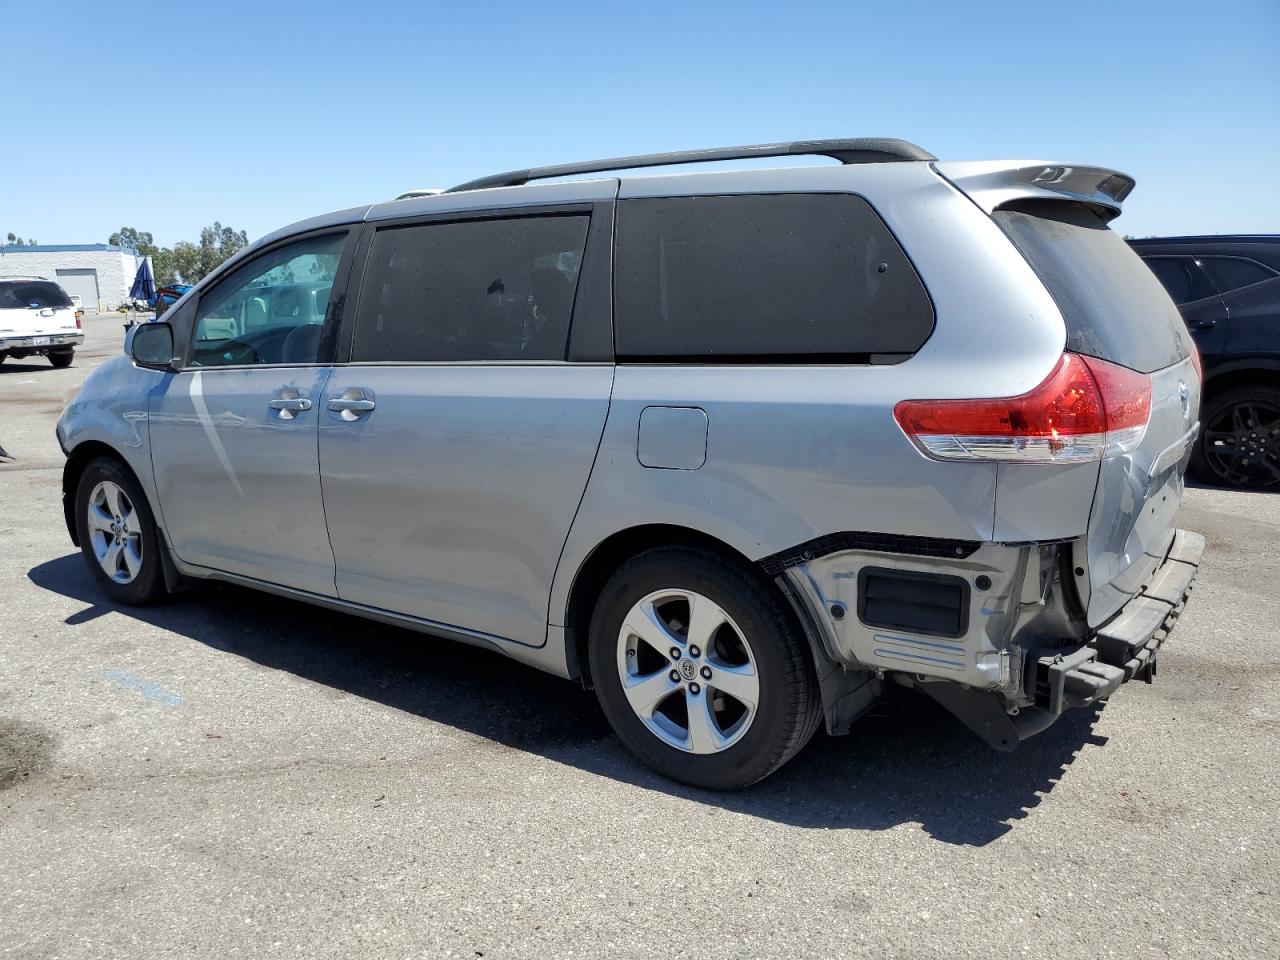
(1114, 307)
(1182, 278)
(1232, 273)
(474, 290)
(788, 276)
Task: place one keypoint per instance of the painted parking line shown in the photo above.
(152, 691)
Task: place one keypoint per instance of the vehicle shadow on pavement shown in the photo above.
(908, 761)
(11, 366)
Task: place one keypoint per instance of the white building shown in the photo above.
(100, 275)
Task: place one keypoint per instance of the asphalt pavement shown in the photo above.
(235, 775)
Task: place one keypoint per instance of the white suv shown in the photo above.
(37, 317)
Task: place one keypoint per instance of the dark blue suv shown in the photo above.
(1228, 289)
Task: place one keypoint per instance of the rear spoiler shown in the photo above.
(992, 184)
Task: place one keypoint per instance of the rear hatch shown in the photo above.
(1116, 310)
(34, 308)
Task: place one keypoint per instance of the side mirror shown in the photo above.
(151, 345)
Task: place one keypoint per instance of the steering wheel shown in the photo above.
(237, 352)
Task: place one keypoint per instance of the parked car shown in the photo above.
(1228, 289)
(37, 318)
(168, 295)
(737, 449)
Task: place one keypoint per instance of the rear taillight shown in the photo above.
(1084, 410)
(79, 323)
(1197, 362)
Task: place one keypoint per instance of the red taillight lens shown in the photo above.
(1084, 409)
(79, 322)
(1197, 362)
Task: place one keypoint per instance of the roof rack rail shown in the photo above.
(863, 150)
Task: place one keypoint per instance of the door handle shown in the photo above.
(294, 404)
(341, 404)
(353, 404)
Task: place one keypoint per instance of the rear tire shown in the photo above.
(118, 534)
(736, 637)
(1239, 442)
(62, 358)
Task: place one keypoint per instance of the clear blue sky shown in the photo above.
(168, 116)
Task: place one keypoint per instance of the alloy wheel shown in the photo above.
(1242, 444)
(115, 532)
(687, 671)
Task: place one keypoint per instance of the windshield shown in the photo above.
(19, 294)
(1114, 307)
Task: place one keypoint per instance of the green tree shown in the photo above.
(185, 262)
(16, 241)
(137, 239)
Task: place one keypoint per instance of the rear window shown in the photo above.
(790, 276)
(16, 294)
(1114, 307)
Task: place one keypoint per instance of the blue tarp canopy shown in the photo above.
(144, 284)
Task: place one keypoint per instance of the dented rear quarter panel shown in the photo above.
(795, 452)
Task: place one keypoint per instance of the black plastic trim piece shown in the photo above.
(860, 150)
(846, 693)
(345, 314)
(878, 542)
(771, 360)
(591, 326)
(934, 604)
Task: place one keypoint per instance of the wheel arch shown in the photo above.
(83, 454)
(1230, 376)
(603, 561)
(80, 457)
(607, 557)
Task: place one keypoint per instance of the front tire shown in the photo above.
(1239, 444)
(118, 534)
(701, 668)
(62, 358)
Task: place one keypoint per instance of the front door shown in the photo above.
(233, 435)
(456, 444)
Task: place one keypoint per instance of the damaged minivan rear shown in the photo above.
(1085, 571)
(737, 449)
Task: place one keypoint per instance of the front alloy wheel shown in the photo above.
(115, 532)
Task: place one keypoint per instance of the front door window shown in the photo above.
(270, 311)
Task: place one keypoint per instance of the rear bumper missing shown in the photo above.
(1124, 647)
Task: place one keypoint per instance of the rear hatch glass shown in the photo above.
(1116, 310)
(25, 294)
(1114, 307)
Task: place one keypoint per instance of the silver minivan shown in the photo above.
(736, 449)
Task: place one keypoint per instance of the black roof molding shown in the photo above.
(1211, 238)
(862, 150)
